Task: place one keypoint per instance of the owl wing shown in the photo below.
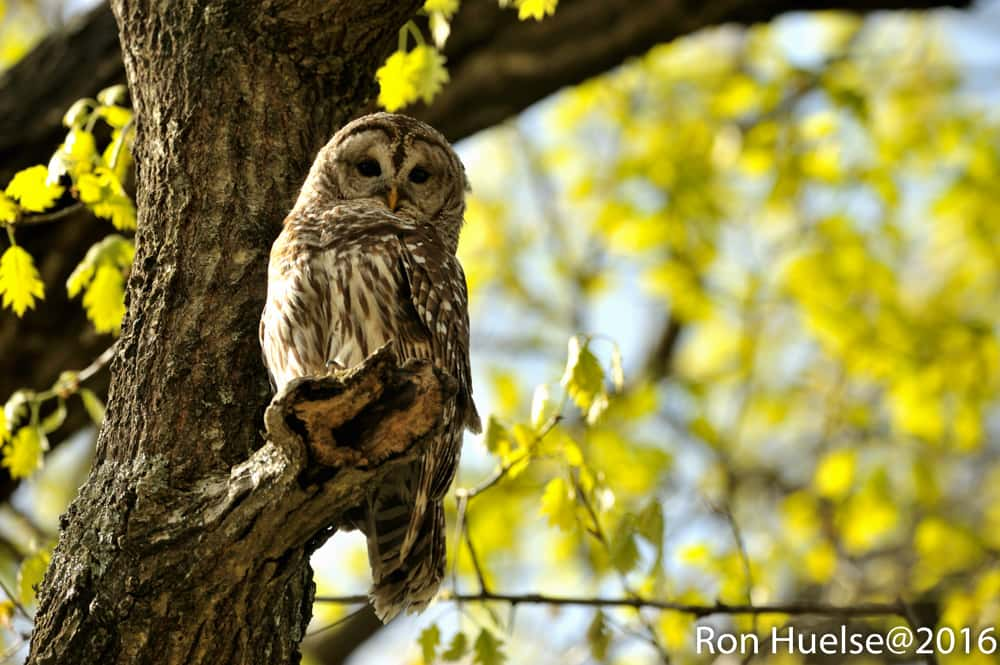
(440, 296)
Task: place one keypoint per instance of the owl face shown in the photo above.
(397, 162)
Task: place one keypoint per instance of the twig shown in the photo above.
(598, 532)
(44, 218)
(15, 602)
(639, 602)
(98, 363)
(466, 493)
(475, 560)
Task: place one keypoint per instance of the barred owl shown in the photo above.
(367, 255)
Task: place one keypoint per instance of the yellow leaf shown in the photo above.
(558, 504)
(19, 281)
(584, 380)
(30, 188)
(821, 562)
(7, 614)
(536, 9)
(114, 115)
(104, 194)
(30, 574)
(8, 209)
(23, 454)
(446, 7)
(407, 77)
(540, 403)
(835, 474)
(105, 299)
(428, 72)
(396, 88)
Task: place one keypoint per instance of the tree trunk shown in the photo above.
(189, 543)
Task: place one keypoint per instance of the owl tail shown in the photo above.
(401, 580)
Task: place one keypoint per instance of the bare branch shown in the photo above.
(639, 602)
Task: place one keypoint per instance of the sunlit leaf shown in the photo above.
(105, 299)
(31, 189)
(30, 575)
(584, 377)
(558, 504)
(22, 455)
(20, 283)
(536, 9)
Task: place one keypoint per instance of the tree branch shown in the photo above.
(637, 602)
(267, 513)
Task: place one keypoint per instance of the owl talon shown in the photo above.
(335, 366)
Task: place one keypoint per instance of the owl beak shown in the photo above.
(392, 198)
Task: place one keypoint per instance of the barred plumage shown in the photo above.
(367, 255)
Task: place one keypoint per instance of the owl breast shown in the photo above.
(368, 305)
(336, 293)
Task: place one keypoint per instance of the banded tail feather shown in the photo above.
(403, 577)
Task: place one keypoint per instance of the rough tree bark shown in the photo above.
(167, 556)
(498, 66)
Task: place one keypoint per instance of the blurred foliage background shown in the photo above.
(735, 322)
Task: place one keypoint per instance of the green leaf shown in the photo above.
(457, 648)
(599, 637)
(54, 420)
(584, 379)
(623, 550)
(497, 438)
(649, 523)
(31, 189)
(93, 404)
(22, 455)
(20, 284)
(30, 575)
(487, 649)
(429, 640)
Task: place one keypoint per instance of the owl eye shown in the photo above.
(419, 175)
(369, 168)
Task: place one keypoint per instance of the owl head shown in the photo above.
(395, 161)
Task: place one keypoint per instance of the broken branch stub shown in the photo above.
(363, 416)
